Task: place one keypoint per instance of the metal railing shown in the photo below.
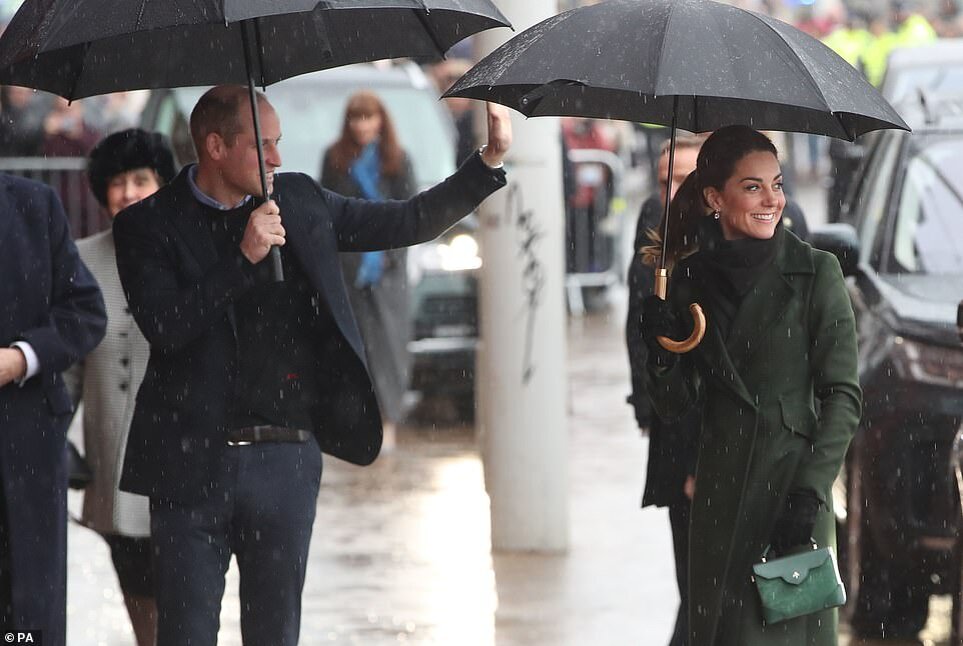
(68, 177)
(593, 232)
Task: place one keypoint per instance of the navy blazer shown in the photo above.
(180, 291)
(51, 301)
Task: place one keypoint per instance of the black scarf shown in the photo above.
(738, 263)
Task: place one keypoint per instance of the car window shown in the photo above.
(171, 120)
(867, 143)
(315, 120)
(311, 118)
(929, 217)
(910, 81)
(874, 197)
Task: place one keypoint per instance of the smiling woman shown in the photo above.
(780, 338)
(738, 182)
(750, 203)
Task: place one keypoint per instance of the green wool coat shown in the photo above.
(791, 352)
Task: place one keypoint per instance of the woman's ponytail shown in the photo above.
(684, 210)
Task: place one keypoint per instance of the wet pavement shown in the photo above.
(401, 551)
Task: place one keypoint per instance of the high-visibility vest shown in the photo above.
(875, 56)
(915, 30)
(849, 44)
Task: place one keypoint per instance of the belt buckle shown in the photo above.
(239, 443)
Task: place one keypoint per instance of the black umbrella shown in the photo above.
(691, 64)
(79, 48)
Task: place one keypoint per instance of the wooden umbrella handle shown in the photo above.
(698, 318)
(698, 331)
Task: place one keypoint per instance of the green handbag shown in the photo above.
(798, 584)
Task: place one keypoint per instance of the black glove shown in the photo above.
(658, 319)
(643, 409)
(795, 524)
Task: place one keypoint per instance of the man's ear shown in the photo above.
(214, 145)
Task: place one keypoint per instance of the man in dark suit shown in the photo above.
(249, 380)
(52, 315)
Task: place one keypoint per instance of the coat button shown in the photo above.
(124, 361)
(123, 386)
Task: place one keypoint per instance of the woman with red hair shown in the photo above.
(367, 162)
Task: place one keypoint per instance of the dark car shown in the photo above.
(935, 67)
(904, 251)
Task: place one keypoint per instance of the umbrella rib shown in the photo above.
(664, 34)
(140, 12)
(423, 18)
(662, 48)
(73, 86)
(796, 61)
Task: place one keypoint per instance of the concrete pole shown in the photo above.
(521, 361)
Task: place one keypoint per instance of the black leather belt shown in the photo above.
(265, 433)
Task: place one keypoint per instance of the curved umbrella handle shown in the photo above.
(698, 318)
(698, 331)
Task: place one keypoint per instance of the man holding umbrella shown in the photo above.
(249, 380)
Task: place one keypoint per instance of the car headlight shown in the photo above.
(460, 253)
(929, 363)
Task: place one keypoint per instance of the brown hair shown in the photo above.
(717, 160)
(345, 150)
(219, 110)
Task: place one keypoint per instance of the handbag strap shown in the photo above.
(765, 552)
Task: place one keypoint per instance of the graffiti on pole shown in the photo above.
(533, 273)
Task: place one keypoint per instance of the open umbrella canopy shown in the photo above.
(704, 63)
(80, 48)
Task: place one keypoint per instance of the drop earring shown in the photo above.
(715, 215)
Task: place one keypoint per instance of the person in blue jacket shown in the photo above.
(52, 315)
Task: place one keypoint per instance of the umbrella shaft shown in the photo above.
(661, 283)
(275, 254)
(252, 95)
(668, 189)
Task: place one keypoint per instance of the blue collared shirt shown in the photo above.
(206, 199)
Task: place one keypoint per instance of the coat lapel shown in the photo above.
(305, 238)
(5, 210)
(192, 225)
(766, 304)
(755, 318)
(713, 349)
(307, 244)
(721, 366)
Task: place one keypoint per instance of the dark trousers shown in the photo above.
(6, 580)
(260, 508)
(679, 521)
